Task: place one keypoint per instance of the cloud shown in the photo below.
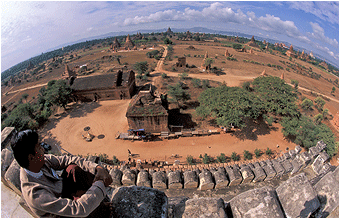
(327, 11)
(319, 34)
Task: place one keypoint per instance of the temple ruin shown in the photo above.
(227, 54)
(204, 65)
(68, 73)
(252, 43)
(147, 111)
(182, 61)
(290, 52)
(104, 87)
(129, 45)
(115, 45)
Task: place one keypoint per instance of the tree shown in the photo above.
(318, 118)
(167, 41)
(246, 86)
(58, 93)
(269, 152)
(24, 96)
(228, 105)
(333, 90)
(141, 67)
(237, 46)
(178, 93)
(295, 83)
(207, 159)
(183, 76)
(278, 97)
(325, 113)
(208, 62)
(190, 160)
(320, 102)
(22, 117)
(307, 104)
(196, 82)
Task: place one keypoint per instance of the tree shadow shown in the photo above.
(252, 129)
(181, 119)
(51, 140)
(190, 105)
(310, 208)
(82, 109)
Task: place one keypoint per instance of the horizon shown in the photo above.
(29, 29)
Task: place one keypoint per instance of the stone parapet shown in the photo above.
(129, 178)
(235, 177)
(247, 173)
(175, 180)
(116, 175)
(159, 180)
(190, 179)
(220, 177)
(6, 136)
(143, 179)
(206, 180)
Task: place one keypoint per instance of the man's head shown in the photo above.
(27, 150)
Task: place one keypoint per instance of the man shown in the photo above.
(78, 192)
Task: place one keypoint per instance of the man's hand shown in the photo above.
(103, 174)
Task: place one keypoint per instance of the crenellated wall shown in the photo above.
(293, 185)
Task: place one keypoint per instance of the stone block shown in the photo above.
(298, 149)
(116, 175)
(175, 180)
(305, 158)
(6, 136)
(297, 197)
(278, 168)
(12, 177)
(139, 202)
(318, 163)
(204, 208)
(176, 206)
(292, 153)
(327, 189)
(336, 173)
(221, 178)
(247, 174)
(159, 180)
(235, 177)
(256, 203)
(143, 179)
(129, 178)
(7, 158)
(287, 165)
(259, 173)
(94, 159)
(321, 145)
(206, 180)
(268, 170)
(286, 156)
(190, 179)
(297, 164)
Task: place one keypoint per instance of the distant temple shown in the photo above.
(104, 87)
(290, 52)
(129, 45)
(252, 43)
(68, 73)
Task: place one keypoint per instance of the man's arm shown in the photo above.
(44, 200)
(61, 162)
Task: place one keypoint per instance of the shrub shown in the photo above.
(164, 75)
(269, 152)
(257, 153)
(183, 76)
(190, 160)
(222, 158)
(207, 159)
(247, 155)
(196, 83)
(235, 157)
(115, 161)
(205, 84)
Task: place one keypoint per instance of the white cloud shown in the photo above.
(319, 34)
(327, 11)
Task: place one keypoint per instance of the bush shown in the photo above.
(103, 157)
(247, 155)
(196, 83)
(257, 153)
(205, 84)
(222, 158)
(183, 76)
(190, 160)
(164, 75)
(237, 46)
(269, 152)
(235, 157)
(115, 161)
(206, 159)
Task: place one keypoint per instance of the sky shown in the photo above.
(29, 28)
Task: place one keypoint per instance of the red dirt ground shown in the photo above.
(106, 118)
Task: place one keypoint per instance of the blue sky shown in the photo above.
(30, 28)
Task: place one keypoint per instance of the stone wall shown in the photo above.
(308, 186)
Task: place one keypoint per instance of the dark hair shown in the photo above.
(22, 145)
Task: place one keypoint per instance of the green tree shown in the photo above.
(167, 41)
(208, 62)
(237, 46)
(115, 160)
(269, 152)
(333, 90)
(295, 83)
(207, 159)
(22, 117)
(246, 86)
(183, 76)
(164, 75)
(58, 93)
(307, 104)
(196, 82)
(325, 113)
(205, 84)
(228, 105)
(318, 118)
(177, 93)
(277, 97)
(320, 102)
(141, 67)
